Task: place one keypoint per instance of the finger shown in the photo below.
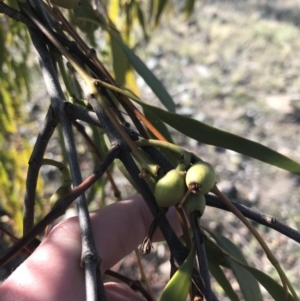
(52, 272)
(118, 229)
(119, 292)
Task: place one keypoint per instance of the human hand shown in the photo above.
(53, 272)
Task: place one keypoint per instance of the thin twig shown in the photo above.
(97, 153)
(261, 218)
(105, 76)
(184, 226)
(39, 9)
(285, 281)
(29, 249)
(60, 206)
(51, 81)
(35, 163)
(117, 194)
(79, 112)
(89, 255)
(201, 255)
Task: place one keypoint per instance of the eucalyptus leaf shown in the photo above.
(159, 125)
(141, 18)
(188, 7)
(248, 284)
(160, 6)
(273, 287)
(120, 62)
(213, 136)
(146, 74)
(220, 277)
(178, 286)
(86, 18)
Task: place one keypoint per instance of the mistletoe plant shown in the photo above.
(82, 91)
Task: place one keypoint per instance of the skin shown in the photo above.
(52, 272)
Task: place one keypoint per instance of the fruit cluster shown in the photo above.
(178, 184)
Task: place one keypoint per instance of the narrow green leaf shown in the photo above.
(120, 62)
(178, 286)
(219, 275)
(3, 51)
(141, 18)
(161, 4)
(210, 135)
(274, 288)
(159, 125)
(146, 74)
(248, 284)
(188, 7)
(151, 9)
(215, 254)
(86, 18)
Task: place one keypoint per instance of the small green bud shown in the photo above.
(195, 202)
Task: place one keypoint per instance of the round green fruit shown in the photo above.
(195, 202)
(200, 177)
(170, 189)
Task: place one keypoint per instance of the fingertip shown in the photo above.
(118, 292)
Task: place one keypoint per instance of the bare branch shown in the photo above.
(201, 255)
(61, 206)
(35, 163)
(261, 218)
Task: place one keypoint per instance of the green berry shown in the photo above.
(170, 189)
(195, 202)
(200, 177)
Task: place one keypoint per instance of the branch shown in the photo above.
(261, 218)
(15, 14)
(201, 255)
(79, 112)
(101, 72)
(38, 8)
(35, 163)
(49, 73)
(89, 255)
(93, 148)
(178, 251)
(60, 206)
